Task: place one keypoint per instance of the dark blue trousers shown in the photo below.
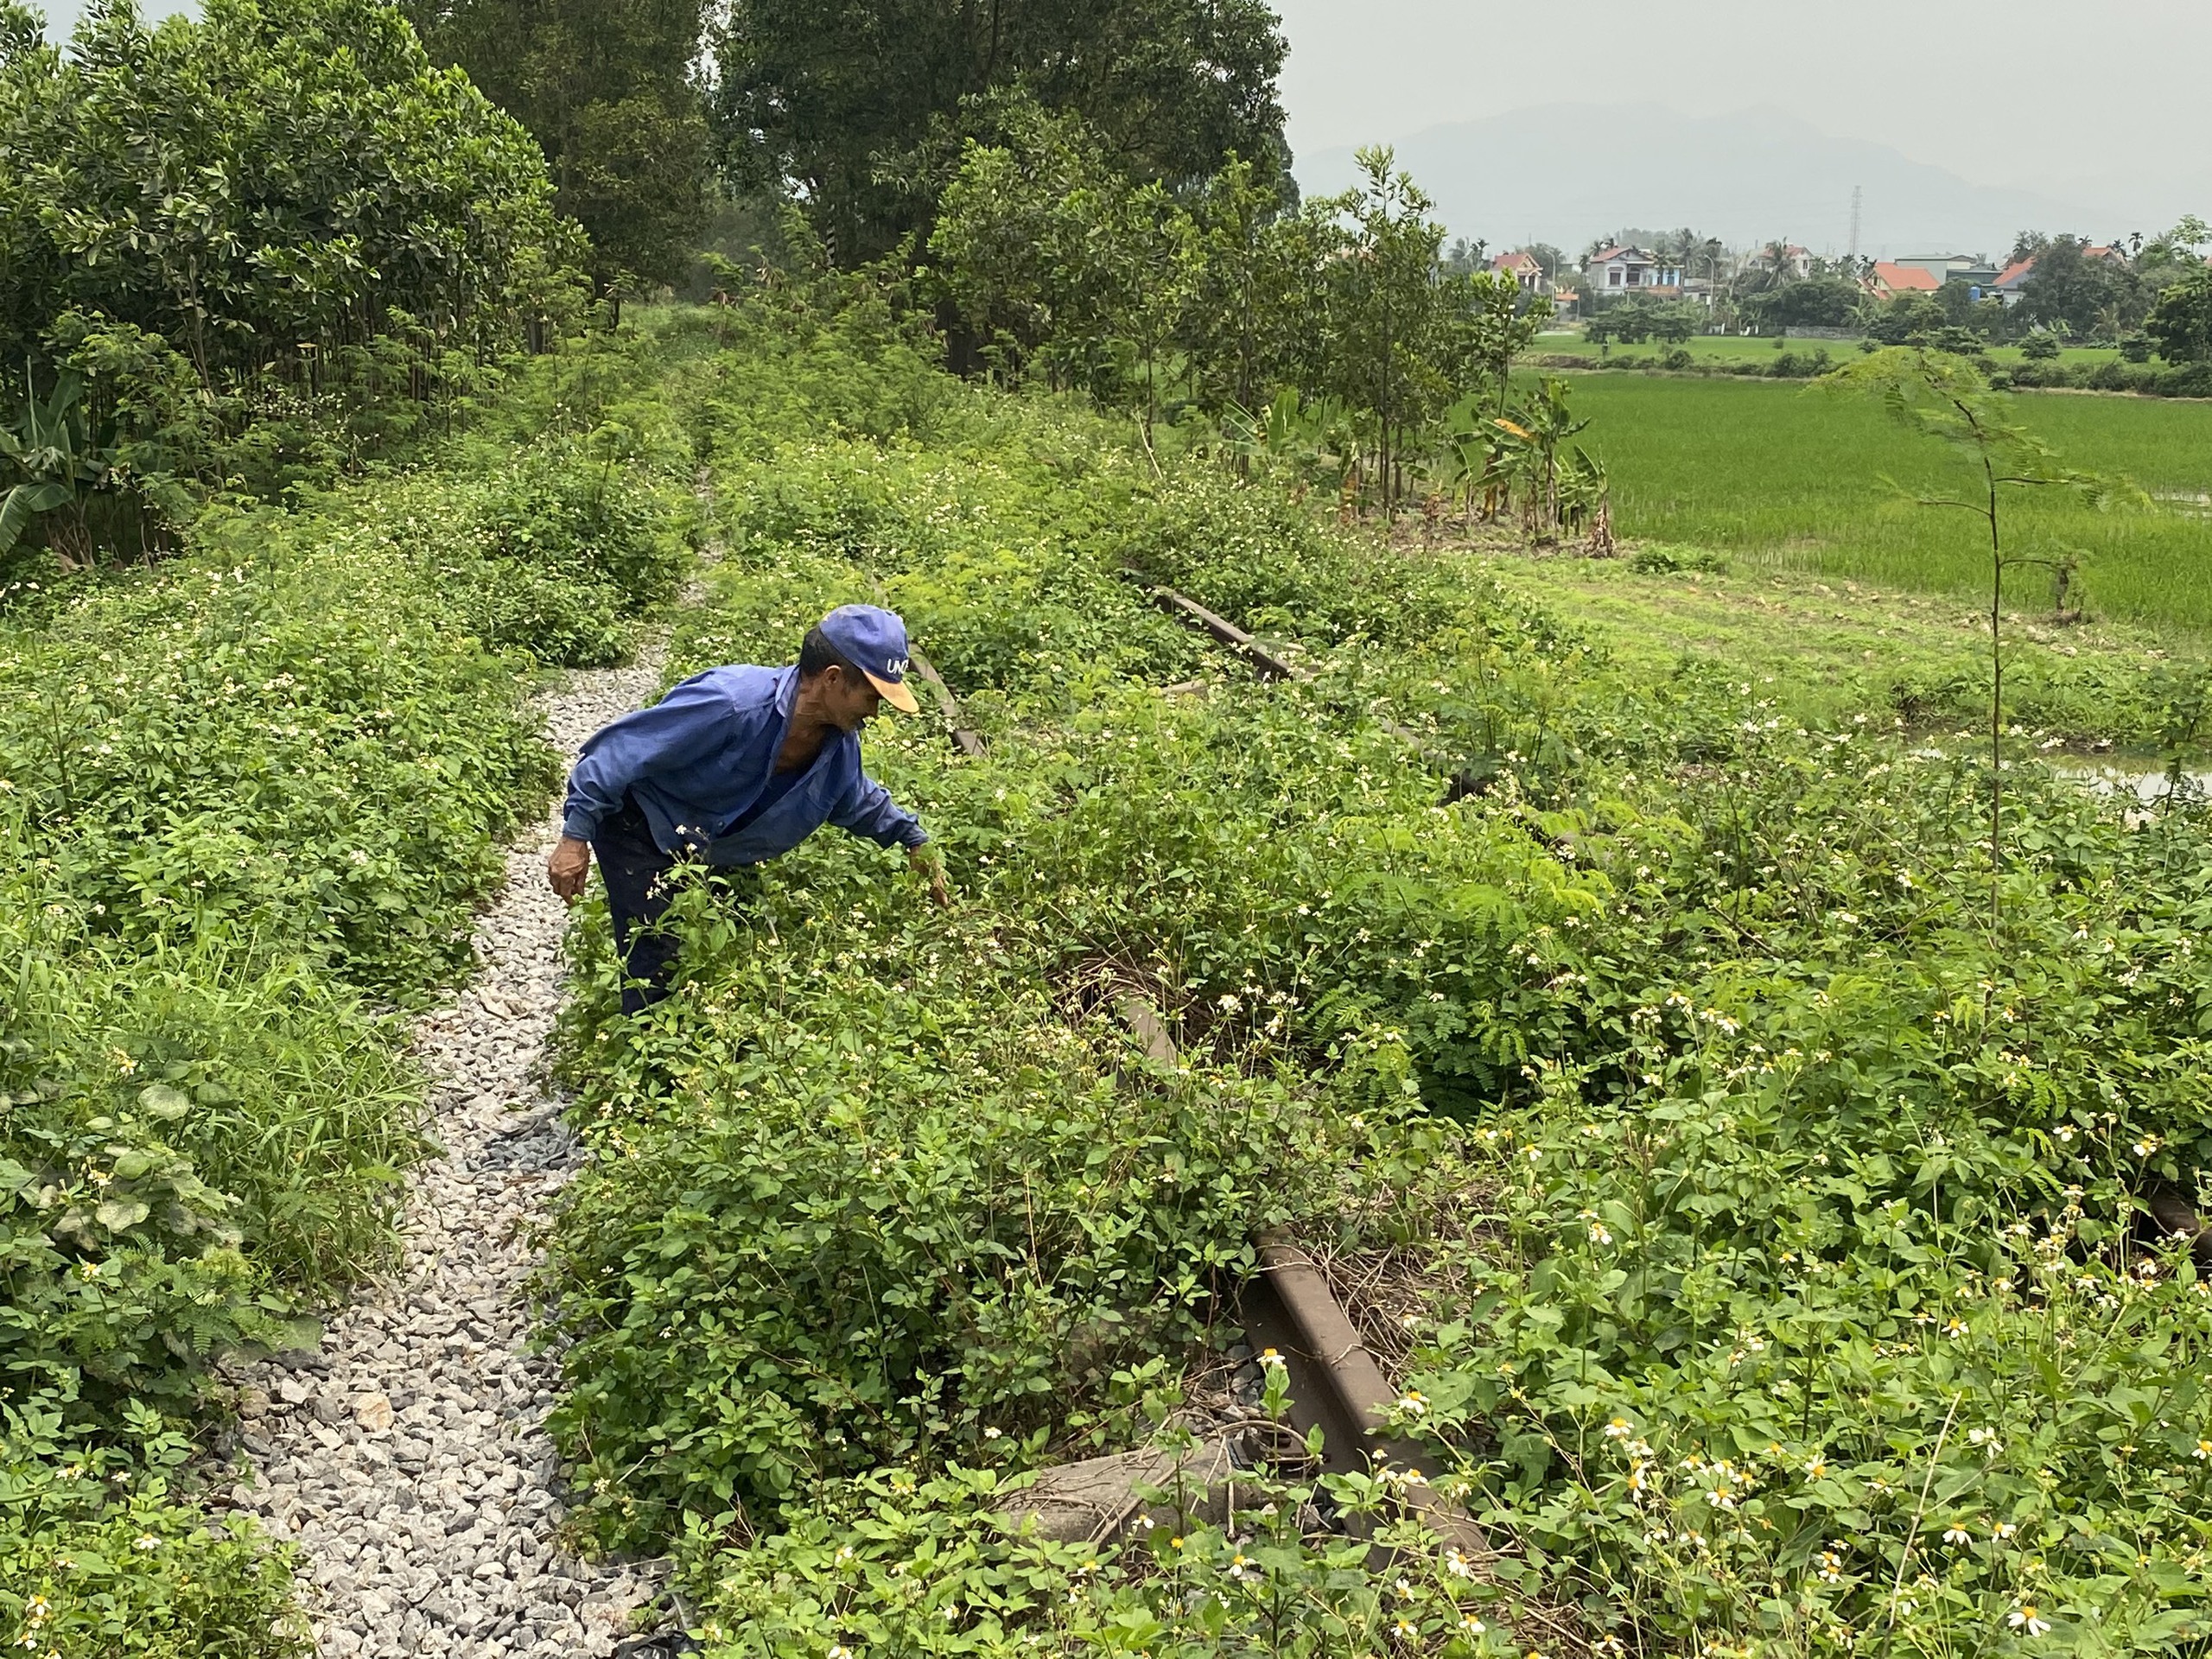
(641, 880)
(636, 872)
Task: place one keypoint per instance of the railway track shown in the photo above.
(1287, 1308)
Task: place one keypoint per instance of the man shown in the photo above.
(734, 767)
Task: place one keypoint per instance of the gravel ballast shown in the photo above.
(407, 1457)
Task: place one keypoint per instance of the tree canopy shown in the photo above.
(606, 87)
(2181, 323)
(2070, 291)
(858, 108)
(282, 171)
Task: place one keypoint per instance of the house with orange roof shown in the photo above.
(2014, 279)
(1886, 280)
(1524, 270)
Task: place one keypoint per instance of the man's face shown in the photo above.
(848, 703)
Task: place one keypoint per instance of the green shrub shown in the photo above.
(996, 560)
(285, 738)
(848, 1216)
(97, 1557)
(240, 794)
(560, 615)
(1265, 562)
(898, 1563)
(1666, 1049)
(563, 508)
(193, 1143)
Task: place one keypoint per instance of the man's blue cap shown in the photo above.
(874, 640)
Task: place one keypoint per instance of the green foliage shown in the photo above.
(195, 1141)
(862, 113)
(862, 1219)
(1669, 1060)
(160, 177)
(896, 1563)
(271, 241)
(248, 798)
(584, 541)
(1031, 252)
(1053, 263)
(53, 466)
(2098, 297)
(1946, 398)
(1258, 556)
(1385, 293)
(281, 737)
(96, 1556)
(1810, 302)
(608, 92)
(1635, 321)
(2181, 322)
(1836, 1234)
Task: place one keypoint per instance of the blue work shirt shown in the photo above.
(700, 758)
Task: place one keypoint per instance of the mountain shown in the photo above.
(1570, 173)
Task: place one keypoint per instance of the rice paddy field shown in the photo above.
(1800, 478)
(1759, 348)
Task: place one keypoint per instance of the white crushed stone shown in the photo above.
(408, 1458)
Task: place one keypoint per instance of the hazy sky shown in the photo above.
(61, 15)
(2096, 102)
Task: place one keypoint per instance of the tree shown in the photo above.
(604, 86)
(1465, 257)
(1246, 312)
(2180, 324)
(1487, 321)
(1911, 318)
(20, 34)
(861, 110)
(271, 183)
(1635, 320)
(2175, 250)
(1152, 251)
(1384, 298)
(1945, 398)
(1022, 254)
(2074, 294)
(1815, 302)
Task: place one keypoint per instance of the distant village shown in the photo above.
(2075, 291)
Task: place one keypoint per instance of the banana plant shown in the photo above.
(1545, 424)
(1478, 455)
(1311, 435)
(50, 450)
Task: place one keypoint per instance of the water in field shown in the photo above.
(2125, 775)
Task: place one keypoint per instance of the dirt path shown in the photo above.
(408, 1458)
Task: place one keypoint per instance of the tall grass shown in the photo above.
(1797, 476)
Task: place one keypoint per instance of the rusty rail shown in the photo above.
(1335, 1384)
(1271, 666)
(970, 743)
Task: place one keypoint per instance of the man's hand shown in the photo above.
(569, 868)
(925, 862)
